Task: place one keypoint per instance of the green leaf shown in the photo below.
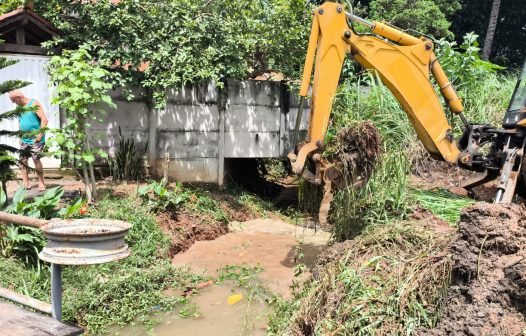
(19, 196)
(88, 158)
(3, 196)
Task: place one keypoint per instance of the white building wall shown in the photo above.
(32, 69)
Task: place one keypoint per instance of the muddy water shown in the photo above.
(212, 316)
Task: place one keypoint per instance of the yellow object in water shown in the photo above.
(233, 299)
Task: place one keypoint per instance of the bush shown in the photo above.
(485, 91)
(185, 41)
(128, 162)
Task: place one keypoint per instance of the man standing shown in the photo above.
(34, 145)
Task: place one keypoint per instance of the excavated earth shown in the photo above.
(487, 295)
(186, 227)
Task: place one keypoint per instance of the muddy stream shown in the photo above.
(210, 313)
(271, 244)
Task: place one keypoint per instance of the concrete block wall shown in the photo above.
(132, 116)
(188, 130)
(201, 126)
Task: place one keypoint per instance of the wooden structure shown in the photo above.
(23, 31)
(16, 321)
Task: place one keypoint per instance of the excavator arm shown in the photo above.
(404, 63)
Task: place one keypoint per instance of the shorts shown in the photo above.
(33, 151)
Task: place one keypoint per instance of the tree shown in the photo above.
(425, 16)
(81, 86)
(509, 43)
(492, 27)
(7, 160)
(9, 5)
(185, 41)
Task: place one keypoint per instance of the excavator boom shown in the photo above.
(405, 65)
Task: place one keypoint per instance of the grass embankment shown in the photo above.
(389, 280)
(100, 296)
(391, 277)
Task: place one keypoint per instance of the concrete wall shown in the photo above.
(202, 125)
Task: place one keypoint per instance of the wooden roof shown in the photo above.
(23, 31)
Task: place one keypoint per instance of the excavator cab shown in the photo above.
(516, 113)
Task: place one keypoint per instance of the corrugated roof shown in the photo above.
(21, 13)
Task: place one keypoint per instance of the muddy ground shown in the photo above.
(487, 295)
(185, 227)
(270, 243)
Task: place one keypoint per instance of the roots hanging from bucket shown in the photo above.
(354, 152)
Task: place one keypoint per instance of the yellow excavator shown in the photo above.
(404, 63)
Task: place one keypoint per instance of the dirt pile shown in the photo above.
(487, 295)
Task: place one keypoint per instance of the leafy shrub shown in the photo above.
(157, 196)
(128, 162)
(82, 85)
(26, 242)
(485, 92)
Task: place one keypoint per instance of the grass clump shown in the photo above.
(381, 200)
(99, 296)
(442, 203)
(387, 281)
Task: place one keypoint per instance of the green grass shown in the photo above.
(442, 203)
(383, 199)
(96, 297)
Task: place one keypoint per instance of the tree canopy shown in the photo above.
(189, 41)
(426, 16)
(509, 46)
(185, 41)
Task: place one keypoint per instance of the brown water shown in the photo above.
(210, 314)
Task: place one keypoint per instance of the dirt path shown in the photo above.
(269, 243)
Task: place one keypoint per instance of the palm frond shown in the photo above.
(20, 133)
(17, 112)
(5, 62)
(11, 85)
(8, 148)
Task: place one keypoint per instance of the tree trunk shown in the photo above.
(91, 172)
(87, 183)
(93, 181)
(492, 27)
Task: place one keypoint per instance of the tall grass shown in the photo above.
(363, 98)
(485, 92)
(388, 281)
(383, 199)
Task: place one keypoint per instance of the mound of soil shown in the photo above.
(487, 295)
